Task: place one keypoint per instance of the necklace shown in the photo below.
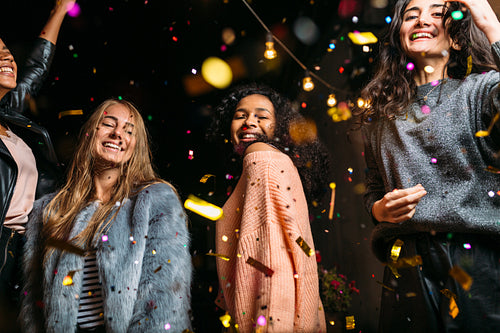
(424, 99)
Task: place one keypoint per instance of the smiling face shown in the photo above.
(422, 32)
(8, 70)
(253, 118)
(115, 135)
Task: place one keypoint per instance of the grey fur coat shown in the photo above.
(144, 266)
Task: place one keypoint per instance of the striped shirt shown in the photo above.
(90, 310)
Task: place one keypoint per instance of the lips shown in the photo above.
(112, 146)
(421, 35)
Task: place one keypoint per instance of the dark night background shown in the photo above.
(126, 48)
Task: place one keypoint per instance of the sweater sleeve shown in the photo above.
(375, 189)
(274, 216)
(163, 295)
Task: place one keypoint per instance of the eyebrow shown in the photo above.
(435, 5)
(116, 120)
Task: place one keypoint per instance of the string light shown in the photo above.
(307, 82)
(270, 52)
(331, 102)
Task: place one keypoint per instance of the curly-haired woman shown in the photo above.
(432, 156)
(270, 281)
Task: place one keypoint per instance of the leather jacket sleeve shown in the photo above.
(34, 72)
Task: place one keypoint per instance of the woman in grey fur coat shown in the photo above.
(109, 252)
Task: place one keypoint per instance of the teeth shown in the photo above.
(421, 35)
(110, 145)
(6, 69)
(248, 136)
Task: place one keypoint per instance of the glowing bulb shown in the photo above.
(331, 102)
(270, 52)
(307, 83)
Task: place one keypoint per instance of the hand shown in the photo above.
(399, 205)
(484, 17)
(63, 6)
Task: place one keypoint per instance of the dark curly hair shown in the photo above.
(393, 87)
(310, 159)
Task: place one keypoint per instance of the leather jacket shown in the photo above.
(35, 136)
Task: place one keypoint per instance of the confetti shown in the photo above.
(453, 308)
(223, 257)
(205, 178)
(469, 66)
(225, 320)
(70, 113)
(404, 263)
(350, 324)
(488, 131)
(362, 38)
(68, 279)
(461, 277)
(203, 208)
(303, 245)
(332, 201)
(457, 15)
(396, 249)
(261, 321)
(217, 72)
(261, 267)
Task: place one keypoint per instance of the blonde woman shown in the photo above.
(109, 252)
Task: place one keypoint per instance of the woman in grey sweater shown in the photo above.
(109, 252)
(432, 185)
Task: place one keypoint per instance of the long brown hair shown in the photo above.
(393, 86)
(78, 192)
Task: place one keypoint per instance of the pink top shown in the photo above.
(27, 177)
(263, 218)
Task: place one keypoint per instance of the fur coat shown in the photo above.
(144, 266)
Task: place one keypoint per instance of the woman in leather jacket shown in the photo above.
(28, 163)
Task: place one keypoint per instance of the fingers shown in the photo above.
(399, 205)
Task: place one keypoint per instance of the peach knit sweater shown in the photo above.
(263, 218)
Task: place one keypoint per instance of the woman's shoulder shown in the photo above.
(157, 188)
(261, 147)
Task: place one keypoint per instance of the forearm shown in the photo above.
(51, 29)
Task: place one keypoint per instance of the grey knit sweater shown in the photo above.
(433, 143)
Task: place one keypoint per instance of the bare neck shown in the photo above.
(105, 182)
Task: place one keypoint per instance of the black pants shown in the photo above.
(415, 301)
(11, 246)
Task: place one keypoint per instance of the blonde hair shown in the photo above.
(78, 192)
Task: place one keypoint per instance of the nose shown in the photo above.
(250, 121)
(117, 133)
(422, 21)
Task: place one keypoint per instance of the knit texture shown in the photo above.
(263, 218)
(433, 143)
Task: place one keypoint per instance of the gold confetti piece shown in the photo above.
(205, 178)
(226, 320)
(481, 134)
(260, 266)
(303, 245)
(68, 279)
(332, 201)
(461, 277)
(70, 113)
(448, 293)
(469, 66)
(491, 169)
(223, 257)
(157, 269)
(404, 263)
(362, 38)
(65, 246)
(411, 294)
(203, 208)
(350, 324)
(187, 330)
(453, 308)
(396, 249)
